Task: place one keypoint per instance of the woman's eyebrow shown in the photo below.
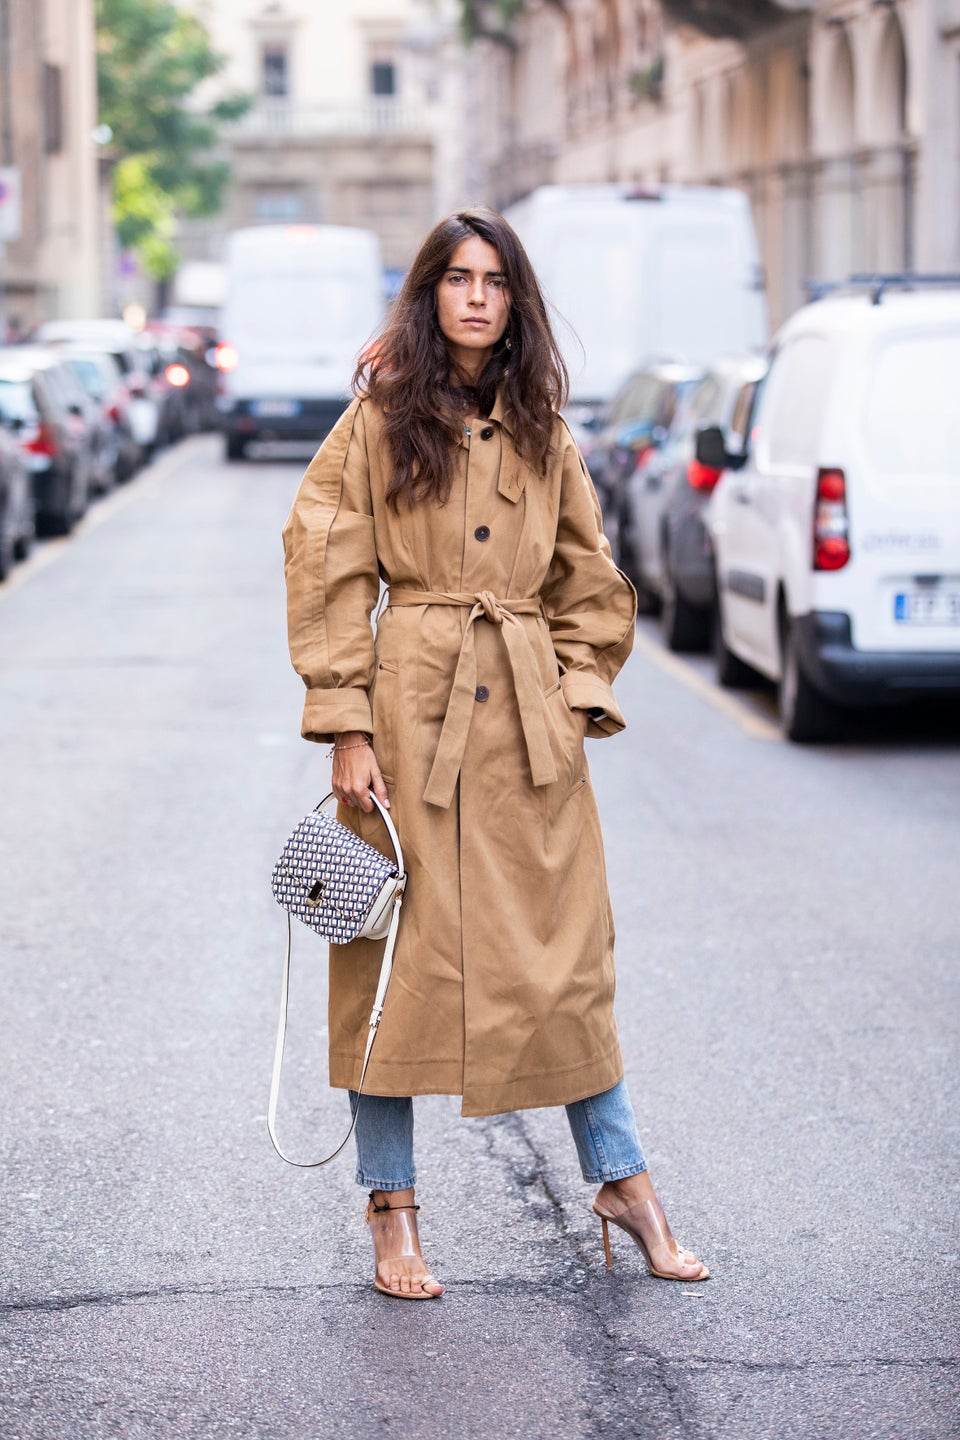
(465, 270)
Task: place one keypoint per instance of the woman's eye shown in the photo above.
(497, 282)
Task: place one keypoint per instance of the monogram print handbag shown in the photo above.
(344, 889)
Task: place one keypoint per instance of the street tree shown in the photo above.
(151, 58)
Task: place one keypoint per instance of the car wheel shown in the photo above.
(24, 541)
(236, 447)
(805, 712)
(7, 549)
(732, 672)
(685, 627)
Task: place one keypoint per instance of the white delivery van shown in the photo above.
(637, 275)
(301, 302)
(836, 533)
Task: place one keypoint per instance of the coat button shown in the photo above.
(486, 433)
(481, 693)
(482, 532)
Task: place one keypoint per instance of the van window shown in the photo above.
(911, 417)
(794, 400)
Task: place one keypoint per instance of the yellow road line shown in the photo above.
(756, 726)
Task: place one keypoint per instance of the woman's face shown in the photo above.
(473, 305)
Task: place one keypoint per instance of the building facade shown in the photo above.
(342, 129)
(52, 264)
(838, 117)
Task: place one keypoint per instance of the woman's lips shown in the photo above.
(478, 323)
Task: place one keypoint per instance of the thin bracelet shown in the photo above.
(335, 749)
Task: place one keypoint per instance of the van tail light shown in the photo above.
(831, 529)
(44, 442)
(226, 356)
(177, 375)
(701, 477)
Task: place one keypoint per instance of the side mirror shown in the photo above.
(711, 450)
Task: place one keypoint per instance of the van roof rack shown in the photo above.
(877, 284)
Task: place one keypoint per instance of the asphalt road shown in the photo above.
(788, 925)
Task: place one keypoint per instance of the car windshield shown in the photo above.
(911, 420)
(16, 400)
(90, 376)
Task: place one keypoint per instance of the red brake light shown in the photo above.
(177, 375)
(226, 357)
(831, 545)
(702, 477)
(641, 451)
(44, 442)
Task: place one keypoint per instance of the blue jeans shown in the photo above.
(604, 1131)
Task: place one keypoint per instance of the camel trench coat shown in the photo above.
(505, 614)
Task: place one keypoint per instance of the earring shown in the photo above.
(508, 343)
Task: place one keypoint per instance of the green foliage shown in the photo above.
(151, 57)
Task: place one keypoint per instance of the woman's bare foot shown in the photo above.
(401, 1268)
(632, 1205)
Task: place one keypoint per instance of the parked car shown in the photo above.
(836, 531)
(17, 518)
(626, 466)
(49, 419)
(676, 561)
(117, 339)
(100, 375)
(187, 380)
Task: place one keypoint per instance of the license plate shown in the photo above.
(927, 607)
(279, 409)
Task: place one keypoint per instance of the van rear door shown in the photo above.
(905, 493)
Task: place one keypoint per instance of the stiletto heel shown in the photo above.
(629, 1220)
(606, 1242)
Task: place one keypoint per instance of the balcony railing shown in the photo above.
(732, 19)
(278, 118)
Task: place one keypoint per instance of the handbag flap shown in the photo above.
(328, 877)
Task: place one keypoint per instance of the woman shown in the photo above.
(452, 478)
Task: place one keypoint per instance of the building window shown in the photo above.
(52, 109)
(275, 70)
(282, 207)
(383, 78)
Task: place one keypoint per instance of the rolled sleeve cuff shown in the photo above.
(584, 691)
(327, 713)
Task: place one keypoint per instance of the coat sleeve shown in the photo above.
(591, 606)
(333, 580)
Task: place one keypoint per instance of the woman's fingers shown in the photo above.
(355, 773)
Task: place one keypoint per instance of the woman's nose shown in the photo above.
(477, 296)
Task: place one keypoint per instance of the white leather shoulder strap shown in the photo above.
(386, 968)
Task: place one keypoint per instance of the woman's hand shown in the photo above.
(356, 772)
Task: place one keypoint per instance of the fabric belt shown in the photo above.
(484, 605)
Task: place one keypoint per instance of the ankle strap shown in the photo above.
(379, 1209)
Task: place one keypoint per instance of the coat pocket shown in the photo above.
(566, 740)
(386, 683)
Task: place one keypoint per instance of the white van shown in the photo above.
(301, 302)
(638, 275)
(837, 536)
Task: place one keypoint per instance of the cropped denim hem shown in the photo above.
(385, 1185)
(604, 1130)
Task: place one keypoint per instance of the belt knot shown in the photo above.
(492, 610)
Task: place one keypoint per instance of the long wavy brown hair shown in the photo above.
(408, 370)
